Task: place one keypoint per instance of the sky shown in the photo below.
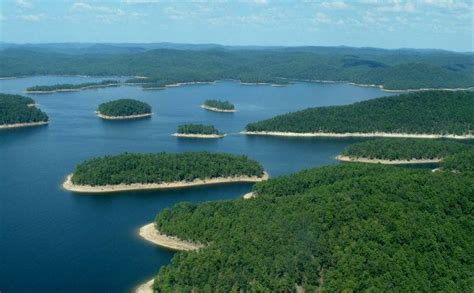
(437, 24)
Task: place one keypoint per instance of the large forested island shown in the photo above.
(218, 106)
(430, 114)
(392, 69)
(162, 170)
(198, 131)
(350, 227)
(67, 87)
(401, 151)
(123, 109)
(19, 111)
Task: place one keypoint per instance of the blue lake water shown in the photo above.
(54, 240)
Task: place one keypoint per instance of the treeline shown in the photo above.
(460, 162)
(394, 69)
(197, 129)
(404, 149)
(430, 112)
(68, 86)
(218, 104)
(344, 228)
(124, 107)
(130, 168)
(18, 109)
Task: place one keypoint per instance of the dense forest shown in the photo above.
(124, 107)
(394, 69)
(67, 86)
(460, 162)
(404, 149)
(343, 228)
(131, 168)
(18, 109)
(430, 112)
(218, 104)
(197, 129)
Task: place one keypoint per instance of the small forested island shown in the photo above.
(401, 151)
(429, 114)
(198, 131)
(123, 109)
(218, 106)
(129, 171)
(18, 111)
(348, 227)
(459, 162)
(66, 87)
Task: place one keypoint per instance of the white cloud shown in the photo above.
(398, 6)
(24, 4)
(449, 4)
(334, 5)
(140, 1)
(103, 13)
(2, 17)
(32, 17)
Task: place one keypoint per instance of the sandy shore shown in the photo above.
(249, 195)
(188, 135)
(150, 233)
(146, 287)
(138, 116)
(388, 162)
(217, 110)
(68, 185)
(18, 125)
(358, 134)
(189, 83)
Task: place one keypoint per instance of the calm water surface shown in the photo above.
(54, 240)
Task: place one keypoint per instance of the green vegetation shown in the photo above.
(163, 167)
(18, 109)
(124, 107)
(403, 149)
(394, 69)
(460, 162)
(197, 129)
(218, 104)
(67, 86)
(344, 228)
(430, 112)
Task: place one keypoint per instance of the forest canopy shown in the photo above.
(197, 129)
(343, 228)
(18, 109)
(427, 112)
(404, 149)
(68, 86)
(218, 104)
(460, 162)
(124, 107)
(128, 168)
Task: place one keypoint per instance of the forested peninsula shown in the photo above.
(218, 106)
(459, 162)
(67, 87)
(402, 69)
(162, 170)
(18, 111)
(198, 131)
(401, 151)
(363, 227)
(430, 114)
(123, 109)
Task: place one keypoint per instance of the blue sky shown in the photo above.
(442, 24)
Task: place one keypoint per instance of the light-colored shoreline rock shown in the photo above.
(249, 195)
(217, 110)
(387, 162)
(138, 116)
(68, 185)
(151, 234)
(146, 287)
(19, 125)
(188, 135)
(358, 134)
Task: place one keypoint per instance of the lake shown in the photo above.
(55, 240)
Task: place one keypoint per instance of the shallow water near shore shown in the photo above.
(55, 240)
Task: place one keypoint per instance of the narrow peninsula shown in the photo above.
(198, 131)
(67, 87)
(401, 151)
(219, 106)
(129, 171)
(123, 109)
(19, 111)
(430, 114)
